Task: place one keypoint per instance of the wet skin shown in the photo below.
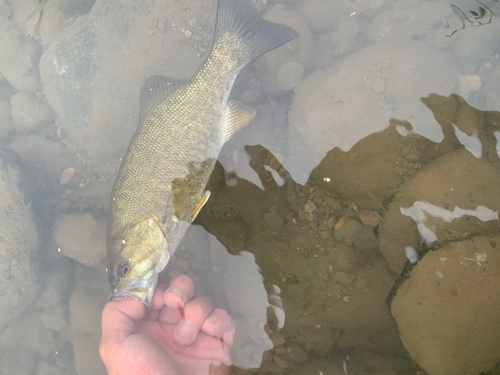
(181, 334)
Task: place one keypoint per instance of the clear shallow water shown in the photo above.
(316, 205)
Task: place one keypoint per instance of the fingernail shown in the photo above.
(177, 291)
(186, 330)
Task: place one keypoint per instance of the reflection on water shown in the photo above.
(353, 226)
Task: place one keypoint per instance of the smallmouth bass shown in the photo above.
(182, 127)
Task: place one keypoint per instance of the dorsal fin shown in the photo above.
(157, 88)
(237, 116)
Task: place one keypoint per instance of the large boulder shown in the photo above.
(429, 208)
(447, 310)
(339, 106)
(92, 73)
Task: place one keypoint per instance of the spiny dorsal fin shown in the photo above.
(157, 88)
(237, 116)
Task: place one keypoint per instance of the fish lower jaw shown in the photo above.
(124, 296)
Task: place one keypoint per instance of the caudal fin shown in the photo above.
(242, 18)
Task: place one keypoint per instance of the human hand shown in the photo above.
(180, 334)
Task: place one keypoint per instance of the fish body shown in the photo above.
(183, 125)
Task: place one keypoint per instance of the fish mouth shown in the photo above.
(138, 290)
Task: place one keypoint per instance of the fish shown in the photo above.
(161, 185)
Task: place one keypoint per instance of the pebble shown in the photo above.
(280, 362)
(278, 339)
(303, 214)
(333, 203)
(368, 217)
(340, 223)
(295, 353)
(324, 234)
(289, 75)
(319, 339)
(275, 221)
(29, 112)
(364, 239)
(310, 207)
(346, 232)
(330, 223)
(361, 284)
(67, 175)
(344, 277)
(188, 33)
(56, 317)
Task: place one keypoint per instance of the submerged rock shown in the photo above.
(93, 72)
(17, 360)
(81, 237)
(447, 310)
(56, 317)
(18, 281)
(28, 328)
(430, 207)
(339, 106)
(46, 157)
(57, 283)
(283, 68)
(86, 306)
(6, 126)
(30, 113)
(18, 57)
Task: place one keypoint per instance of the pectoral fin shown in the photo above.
(201, 203)
(237, 116)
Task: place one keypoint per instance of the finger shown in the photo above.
(171, 316)
(118, 320)
(195, 313)
(220, 325)
(180, 290)
(158, 302)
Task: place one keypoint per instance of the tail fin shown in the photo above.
(242, 18)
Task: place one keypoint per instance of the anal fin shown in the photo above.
(237, 116)
(201, 203)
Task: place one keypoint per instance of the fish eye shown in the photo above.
(123, 269)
